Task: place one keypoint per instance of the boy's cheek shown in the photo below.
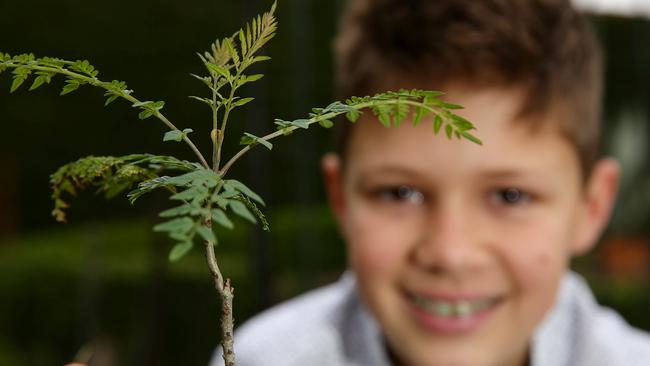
(537, 263)
(373, 245)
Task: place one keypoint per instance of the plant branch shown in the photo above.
(214, 266)
(327, 116)
(104, 85)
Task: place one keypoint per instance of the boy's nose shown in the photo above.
(449, 241)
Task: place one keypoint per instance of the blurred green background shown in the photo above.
(103, 283)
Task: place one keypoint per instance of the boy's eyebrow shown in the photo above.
(503, 173)
(389, 169)
(519, 174)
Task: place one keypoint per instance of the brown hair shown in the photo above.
(546, 46)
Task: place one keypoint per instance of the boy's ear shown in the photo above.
(331, 167)
(600, 196)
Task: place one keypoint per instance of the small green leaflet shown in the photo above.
(233, 53)
(110, 99)
(196, 177)
(243, 101)
(471, 138)
(206, 233)
(461, 123)
(301, 123)
(145, 114)
(400, 113)
(449, 131)
(241, 188)
(220, 71)
(260, 58)
(193, 193)
(437, 123)
(84, 67)
(116, 89)
(353, 115)
(179, 250)
(250, 139)
(149, 108)
(220, 218)
(182, 225)
(326, 123)
(420, 113)
(242, 41)
(452, 106)
(176, 211)
(242, 211)
(177, 135)
(254, 77)
(40, 80)
(200, 176)
(71, 86)
(383, 113)
(207, 101)
(204, 79)
(18, 81)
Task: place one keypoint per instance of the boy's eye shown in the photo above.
(510, 196)
(401, 193)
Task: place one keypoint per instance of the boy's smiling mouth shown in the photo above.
(443, 308)
(451, 316)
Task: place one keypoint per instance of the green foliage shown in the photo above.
(176, 135)
(391, 109)
(114, 90)
(149, 109)
(231, 185)
(205, 198)
(76, 74)
(201, 193)
(109, 175)
(250, 139)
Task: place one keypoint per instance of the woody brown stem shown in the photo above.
(227, 324)
(226, 292)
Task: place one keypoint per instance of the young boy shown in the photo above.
(459, 253)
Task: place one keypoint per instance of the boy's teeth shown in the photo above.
(442, 308)
(464, 308)
(460, 308)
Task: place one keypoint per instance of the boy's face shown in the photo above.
(459, 249)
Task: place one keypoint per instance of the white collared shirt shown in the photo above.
(330, 326)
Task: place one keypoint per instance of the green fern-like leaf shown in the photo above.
(108, 174)
(256, 34)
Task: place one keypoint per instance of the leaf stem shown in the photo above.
(327, 116)
(284, 131)
(214, 136)
(224, 123)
